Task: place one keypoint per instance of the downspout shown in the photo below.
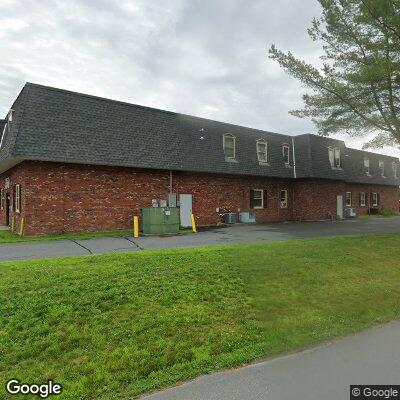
(294, 176)
(170, 182)
(294, 160)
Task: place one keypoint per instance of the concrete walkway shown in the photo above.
(235, 234)
(322, 373)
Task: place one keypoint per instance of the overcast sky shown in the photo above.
(200, 57)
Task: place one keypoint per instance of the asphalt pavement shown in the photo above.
(239, 233)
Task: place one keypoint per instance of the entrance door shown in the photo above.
(339, 201)
(185, 204)
(8, 201)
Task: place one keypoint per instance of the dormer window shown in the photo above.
(334, 156)
(366, 165)
(9, 118)
(3, 135)
(229, 145)
(394, 168)
(262, 151)
(382, 168)
(10, 115)
(286, 153)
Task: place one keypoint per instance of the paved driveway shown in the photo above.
(322, 373)
(235, 234)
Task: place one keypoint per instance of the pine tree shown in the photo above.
(357, 90)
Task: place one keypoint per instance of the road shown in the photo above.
(239, 233)
(322, 373)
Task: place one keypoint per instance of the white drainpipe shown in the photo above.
(294, 160)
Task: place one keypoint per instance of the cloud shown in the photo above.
(200, 57)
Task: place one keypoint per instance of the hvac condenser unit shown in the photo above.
(247, 217)
(350, 212)
(230, 218)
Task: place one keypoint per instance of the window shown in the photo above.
(2, 199)
(3, 135)
(17, 198)
(382, 168)
(262, 151)
(334, 156)
(229, 145)
(348, 199)
(366, 165)
(362, 199)
(375, 199)
(257, 198)
(285, 154)
(284, 198)
(394, 169)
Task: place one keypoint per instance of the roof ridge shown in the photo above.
(150, 108)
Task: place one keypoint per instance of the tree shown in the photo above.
(357, 88)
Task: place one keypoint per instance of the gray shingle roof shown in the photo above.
(57, 125)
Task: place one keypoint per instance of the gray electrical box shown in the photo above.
(172, 200)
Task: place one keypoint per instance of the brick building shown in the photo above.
(71, 162)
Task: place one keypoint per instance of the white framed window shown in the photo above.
(337, 157)
(229, 145)
(375, 199)
(17, 198)
(366, 165)
(257, 198)
(394, 169)
(2, 199)
(334, 156)
(284, 198)
(262, 151)
(3, 135)
(382, 168)
(362, 199)
(349, 199)
(286, 153)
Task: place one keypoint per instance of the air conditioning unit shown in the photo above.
(350, 212)
(230, 218)
(247, 217)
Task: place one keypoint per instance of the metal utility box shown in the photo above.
(160, 220)
(230, 218)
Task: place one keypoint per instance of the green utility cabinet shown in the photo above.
(156, 220)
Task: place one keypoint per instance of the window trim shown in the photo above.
(265, 143)
(286, 146)
(375, 199)
(230, 136)
(367, 169)
(17, 201)
(381, 162)
(351, 199)
(394, 169)
(3, 134)
(262, 199)
(334, 151)
(362, 199)
(283, 204)
(339, 164)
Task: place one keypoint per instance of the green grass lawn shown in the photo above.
(9, 237)
(115, 326)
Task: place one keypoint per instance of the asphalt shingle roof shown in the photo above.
(57, 125)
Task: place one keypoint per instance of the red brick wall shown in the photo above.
(71, 198)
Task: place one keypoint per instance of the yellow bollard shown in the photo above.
(21, 228)
(193, 224)
(135, 226)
